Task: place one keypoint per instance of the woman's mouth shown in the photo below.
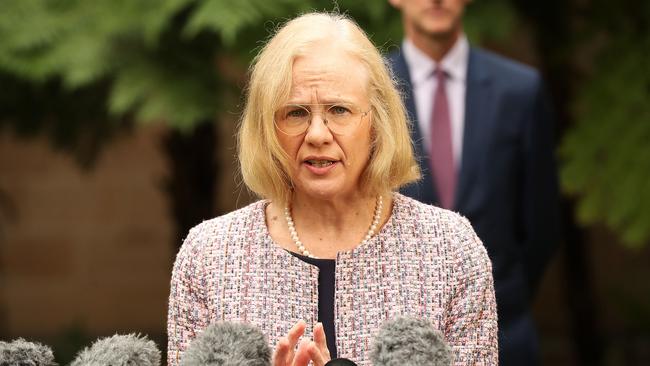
(320, 163)
(320, 166)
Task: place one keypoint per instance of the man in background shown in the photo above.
(483, 133)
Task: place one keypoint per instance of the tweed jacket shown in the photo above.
(425, 262)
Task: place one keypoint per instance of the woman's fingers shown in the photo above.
(321, 340)
(309, 351)
(316, 350)
(294, 335)
(296, 332)
(284, 351)
(316, 355)
(281, 352)
(303, 356)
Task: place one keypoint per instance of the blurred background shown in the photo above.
(117, 123)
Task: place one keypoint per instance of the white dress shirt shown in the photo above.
(421, 69)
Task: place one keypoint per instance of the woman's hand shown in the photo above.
(316, 350)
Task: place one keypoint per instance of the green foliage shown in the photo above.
(228, 19)
(155, 59)
(378, 18)
(76, 40)
(607, 153)
(489, 20)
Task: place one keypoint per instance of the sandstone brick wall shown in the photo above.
(84, 248)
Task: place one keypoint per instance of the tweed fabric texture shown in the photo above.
(425, 262)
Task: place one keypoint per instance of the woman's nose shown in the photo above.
(318, 132)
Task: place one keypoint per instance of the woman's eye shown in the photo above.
(339, 109)
(297, 113)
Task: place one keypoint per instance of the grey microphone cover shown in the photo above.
(410, 342)
(228, 344)
(120, 350)
(23, 353)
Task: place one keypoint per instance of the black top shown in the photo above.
(326, 281)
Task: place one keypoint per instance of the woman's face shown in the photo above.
(324, 164)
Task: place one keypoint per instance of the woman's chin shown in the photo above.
(323, 191)
(320, 194)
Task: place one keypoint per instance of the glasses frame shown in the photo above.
(353, 108)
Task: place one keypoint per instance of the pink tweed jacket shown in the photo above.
(425, 262)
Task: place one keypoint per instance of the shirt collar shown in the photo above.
(421, 66)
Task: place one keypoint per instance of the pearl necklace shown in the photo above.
(301, 247)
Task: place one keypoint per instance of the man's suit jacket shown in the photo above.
(507, 184)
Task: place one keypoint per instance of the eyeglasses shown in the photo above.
(341, 119)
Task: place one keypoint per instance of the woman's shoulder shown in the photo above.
(428, 220)
(426, 215)
(241, 215)
(234, 223)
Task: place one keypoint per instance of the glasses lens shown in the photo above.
(341, 118)
(293, 119)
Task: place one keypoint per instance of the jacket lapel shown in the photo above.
(478, 112)
(424, 189)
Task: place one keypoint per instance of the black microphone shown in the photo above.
(23, 353)
(228, 344)
(410, 342)
(120, 350)
(340, 362)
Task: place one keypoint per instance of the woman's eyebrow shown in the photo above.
(324, 102)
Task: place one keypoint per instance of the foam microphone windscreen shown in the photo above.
(22, 353)
(120, 350)
(410, 342)
(228, 344)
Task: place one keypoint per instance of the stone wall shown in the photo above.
(88, 249)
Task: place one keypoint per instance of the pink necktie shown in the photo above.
(442, 157)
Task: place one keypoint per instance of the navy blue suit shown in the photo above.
(506, 187)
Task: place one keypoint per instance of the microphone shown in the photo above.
(228, 344)
(24, 353)
(410, 342)
(340, 362)
(120, 350)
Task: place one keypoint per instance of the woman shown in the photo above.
(332, 251)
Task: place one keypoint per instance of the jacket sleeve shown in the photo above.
(188, 311)
(540, 198)
(471, 314)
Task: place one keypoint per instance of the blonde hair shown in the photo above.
(265, 165)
